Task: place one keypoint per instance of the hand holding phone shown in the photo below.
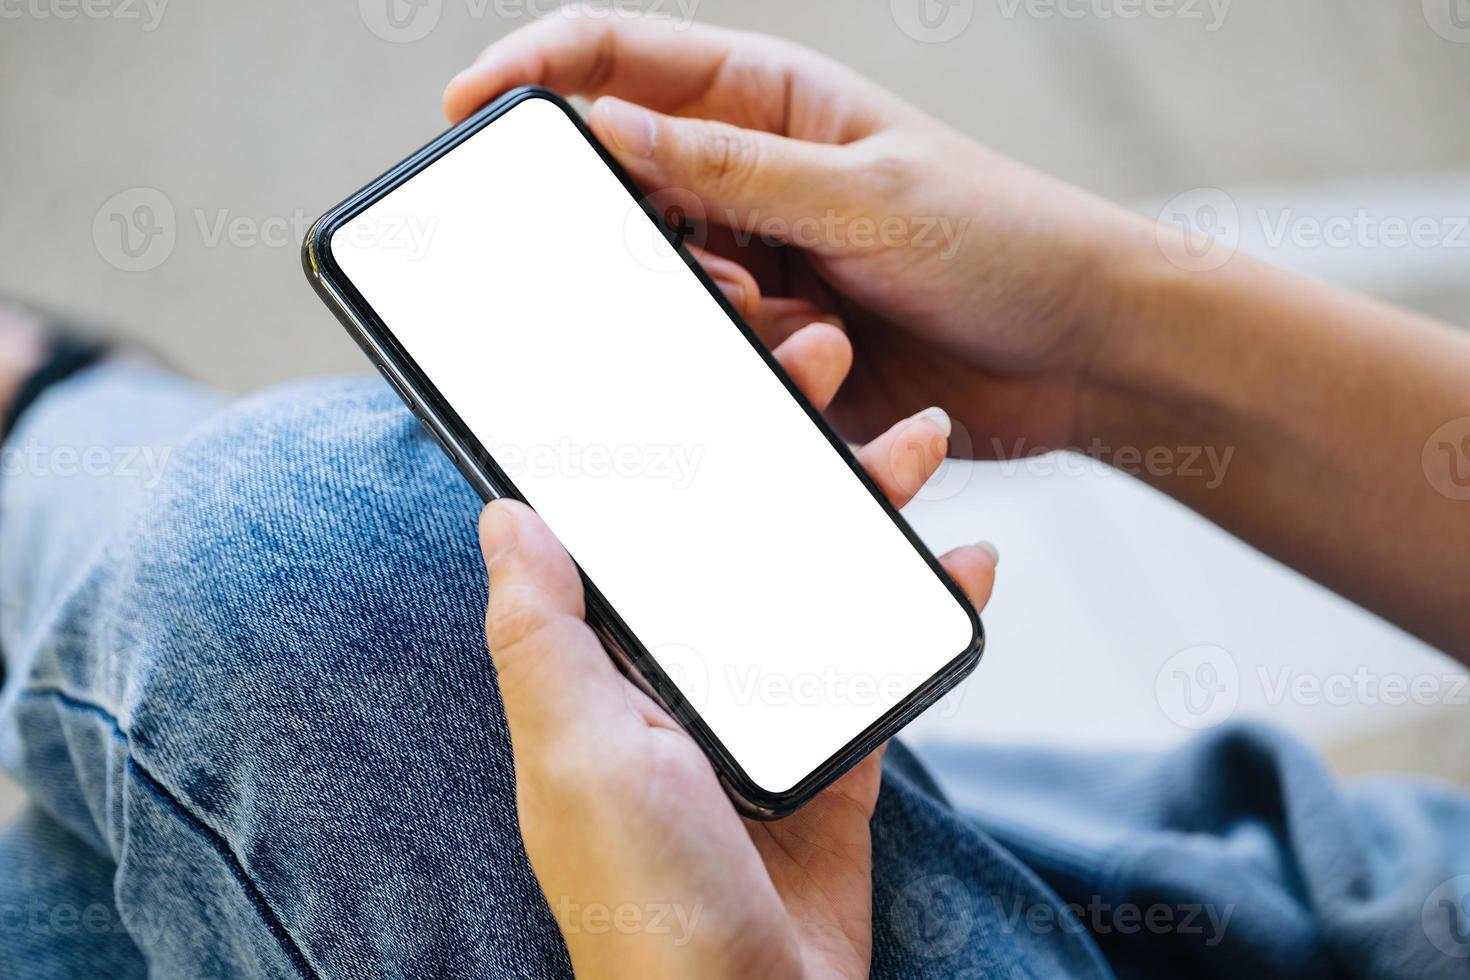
(967, 279)
(621, 813)
(565, 349)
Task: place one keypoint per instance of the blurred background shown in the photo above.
(160, 162)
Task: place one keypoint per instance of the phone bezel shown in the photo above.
(481, 470)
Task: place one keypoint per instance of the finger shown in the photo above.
(555, 679)
(973, 569)
(738, 285)
(747, 179)
(779, 317)
(642, 58)
(654, 61)
(903, 459)
(817, 358)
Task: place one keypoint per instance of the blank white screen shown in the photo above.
(681, 475)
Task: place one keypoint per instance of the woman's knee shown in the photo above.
(302, 601)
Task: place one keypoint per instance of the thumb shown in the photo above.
(556, 681)
(743, 176)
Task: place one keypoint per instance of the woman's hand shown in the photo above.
(647, 868)
(963, 278)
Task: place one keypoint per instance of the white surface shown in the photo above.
(763, 576)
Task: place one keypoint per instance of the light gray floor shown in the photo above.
(262, 114)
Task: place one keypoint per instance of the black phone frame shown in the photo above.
(482, 472)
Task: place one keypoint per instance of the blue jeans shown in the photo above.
(250, 701)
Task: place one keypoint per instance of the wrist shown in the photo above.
(1158, 344)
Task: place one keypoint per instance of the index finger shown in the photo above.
(658, 62)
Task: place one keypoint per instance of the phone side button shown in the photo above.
(393, 383)
(433, 434)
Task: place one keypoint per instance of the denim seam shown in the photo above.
(181, 811)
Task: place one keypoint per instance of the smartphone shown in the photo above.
(558, 341)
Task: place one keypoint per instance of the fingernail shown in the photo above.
(497, 533)
(939, 417)
(990, 550)
(630, 127)
(733, 291)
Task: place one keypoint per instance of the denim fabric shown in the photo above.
(251, 703)
(250, 692)
(1256, 862)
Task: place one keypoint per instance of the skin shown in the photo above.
(1059, 320)
(22, 348)
(620, 810)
